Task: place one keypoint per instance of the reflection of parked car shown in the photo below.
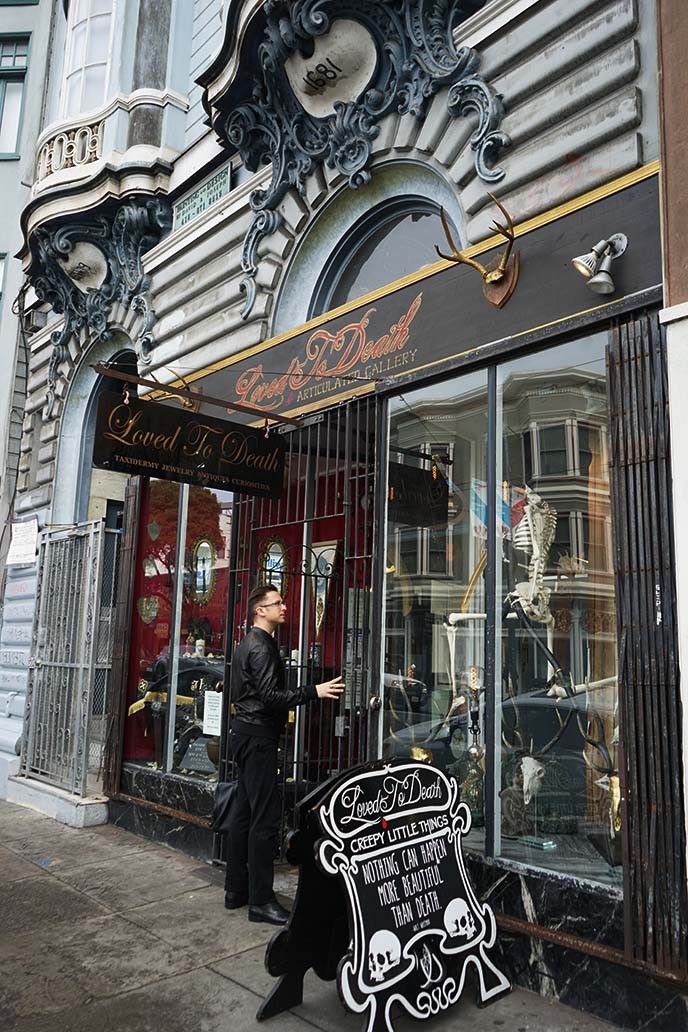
(555, 727)
(444, 742)
(405, 694)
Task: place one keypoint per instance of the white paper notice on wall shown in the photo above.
(212, 713)
(23, 543)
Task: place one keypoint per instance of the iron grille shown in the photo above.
(316, 544)
(67, 692)
(649, 681)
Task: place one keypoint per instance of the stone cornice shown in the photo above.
(115, 180)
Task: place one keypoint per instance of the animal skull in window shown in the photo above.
(533, 775)
(458, 920)
(384, 953)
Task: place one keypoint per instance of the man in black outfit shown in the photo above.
(261, 700)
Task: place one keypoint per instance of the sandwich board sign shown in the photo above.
(391, 834)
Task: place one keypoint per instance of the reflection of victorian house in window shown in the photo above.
(556, 443)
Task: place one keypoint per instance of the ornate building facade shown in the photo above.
(240, 205)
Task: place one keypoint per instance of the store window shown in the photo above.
(434, 652)
(14, 53)
(87, 58)
(176, 670)
(539, 664)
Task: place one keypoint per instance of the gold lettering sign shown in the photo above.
(145, 438)
(326, 356)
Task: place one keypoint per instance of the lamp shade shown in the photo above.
(602, 282)
(588, 264)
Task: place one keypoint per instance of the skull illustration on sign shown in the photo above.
(384, 953)
(458, 920)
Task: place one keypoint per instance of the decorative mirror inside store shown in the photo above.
(549, 683)
(178, 636)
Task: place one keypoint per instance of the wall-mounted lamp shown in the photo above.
(595, 266)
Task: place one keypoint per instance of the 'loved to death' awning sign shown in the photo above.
(143, 438)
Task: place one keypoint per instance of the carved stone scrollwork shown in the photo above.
(474, 94)
(82, 269)
(414, 55)
(143, 345)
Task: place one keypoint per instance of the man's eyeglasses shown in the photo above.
(266, 605)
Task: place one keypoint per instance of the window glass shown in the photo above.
(202, 631)
(553, 461)
(434, 646)
(93, 86)
(398, 245)
(99, 37)
(156, 566)
(186, 659)
(9, 123)
(13, 58)
(73, 93)
(553, 696)
(558, 803)
(78, 49)
(89, 35)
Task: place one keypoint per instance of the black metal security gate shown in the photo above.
(316, 545)
(655, 889)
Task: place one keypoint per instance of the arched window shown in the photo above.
(391, 241)
(87, 56)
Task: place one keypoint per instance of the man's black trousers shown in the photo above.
(252, 838)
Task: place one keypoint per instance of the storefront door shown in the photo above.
(315, 544)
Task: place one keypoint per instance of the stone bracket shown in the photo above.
(82, 268)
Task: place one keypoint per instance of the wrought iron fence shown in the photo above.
(71, 656)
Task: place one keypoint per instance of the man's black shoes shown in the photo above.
(270, 913)
(235, 900)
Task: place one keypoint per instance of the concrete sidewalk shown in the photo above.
(102, 930)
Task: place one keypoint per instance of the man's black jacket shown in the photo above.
(258, 690)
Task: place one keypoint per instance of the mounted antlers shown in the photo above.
(499, 279)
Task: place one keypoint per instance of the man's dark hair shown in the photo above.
(258, 596)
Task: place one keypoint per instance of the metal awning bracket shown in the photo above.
(193, 398)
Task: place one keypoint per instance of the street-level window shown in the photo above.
(87, 58)
(178, 630)
(434, 643)
(513, 641)
(14, 52)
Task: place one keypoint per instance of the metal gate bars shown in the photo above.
(67, 692)
(650, 695)
(316, 545)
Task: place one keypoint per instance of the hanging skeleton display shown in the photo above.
(529, 601)
(527, 605)
(534, 535)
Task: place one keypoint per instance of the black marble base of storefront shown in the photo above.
(610, 991)
(161, 793)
